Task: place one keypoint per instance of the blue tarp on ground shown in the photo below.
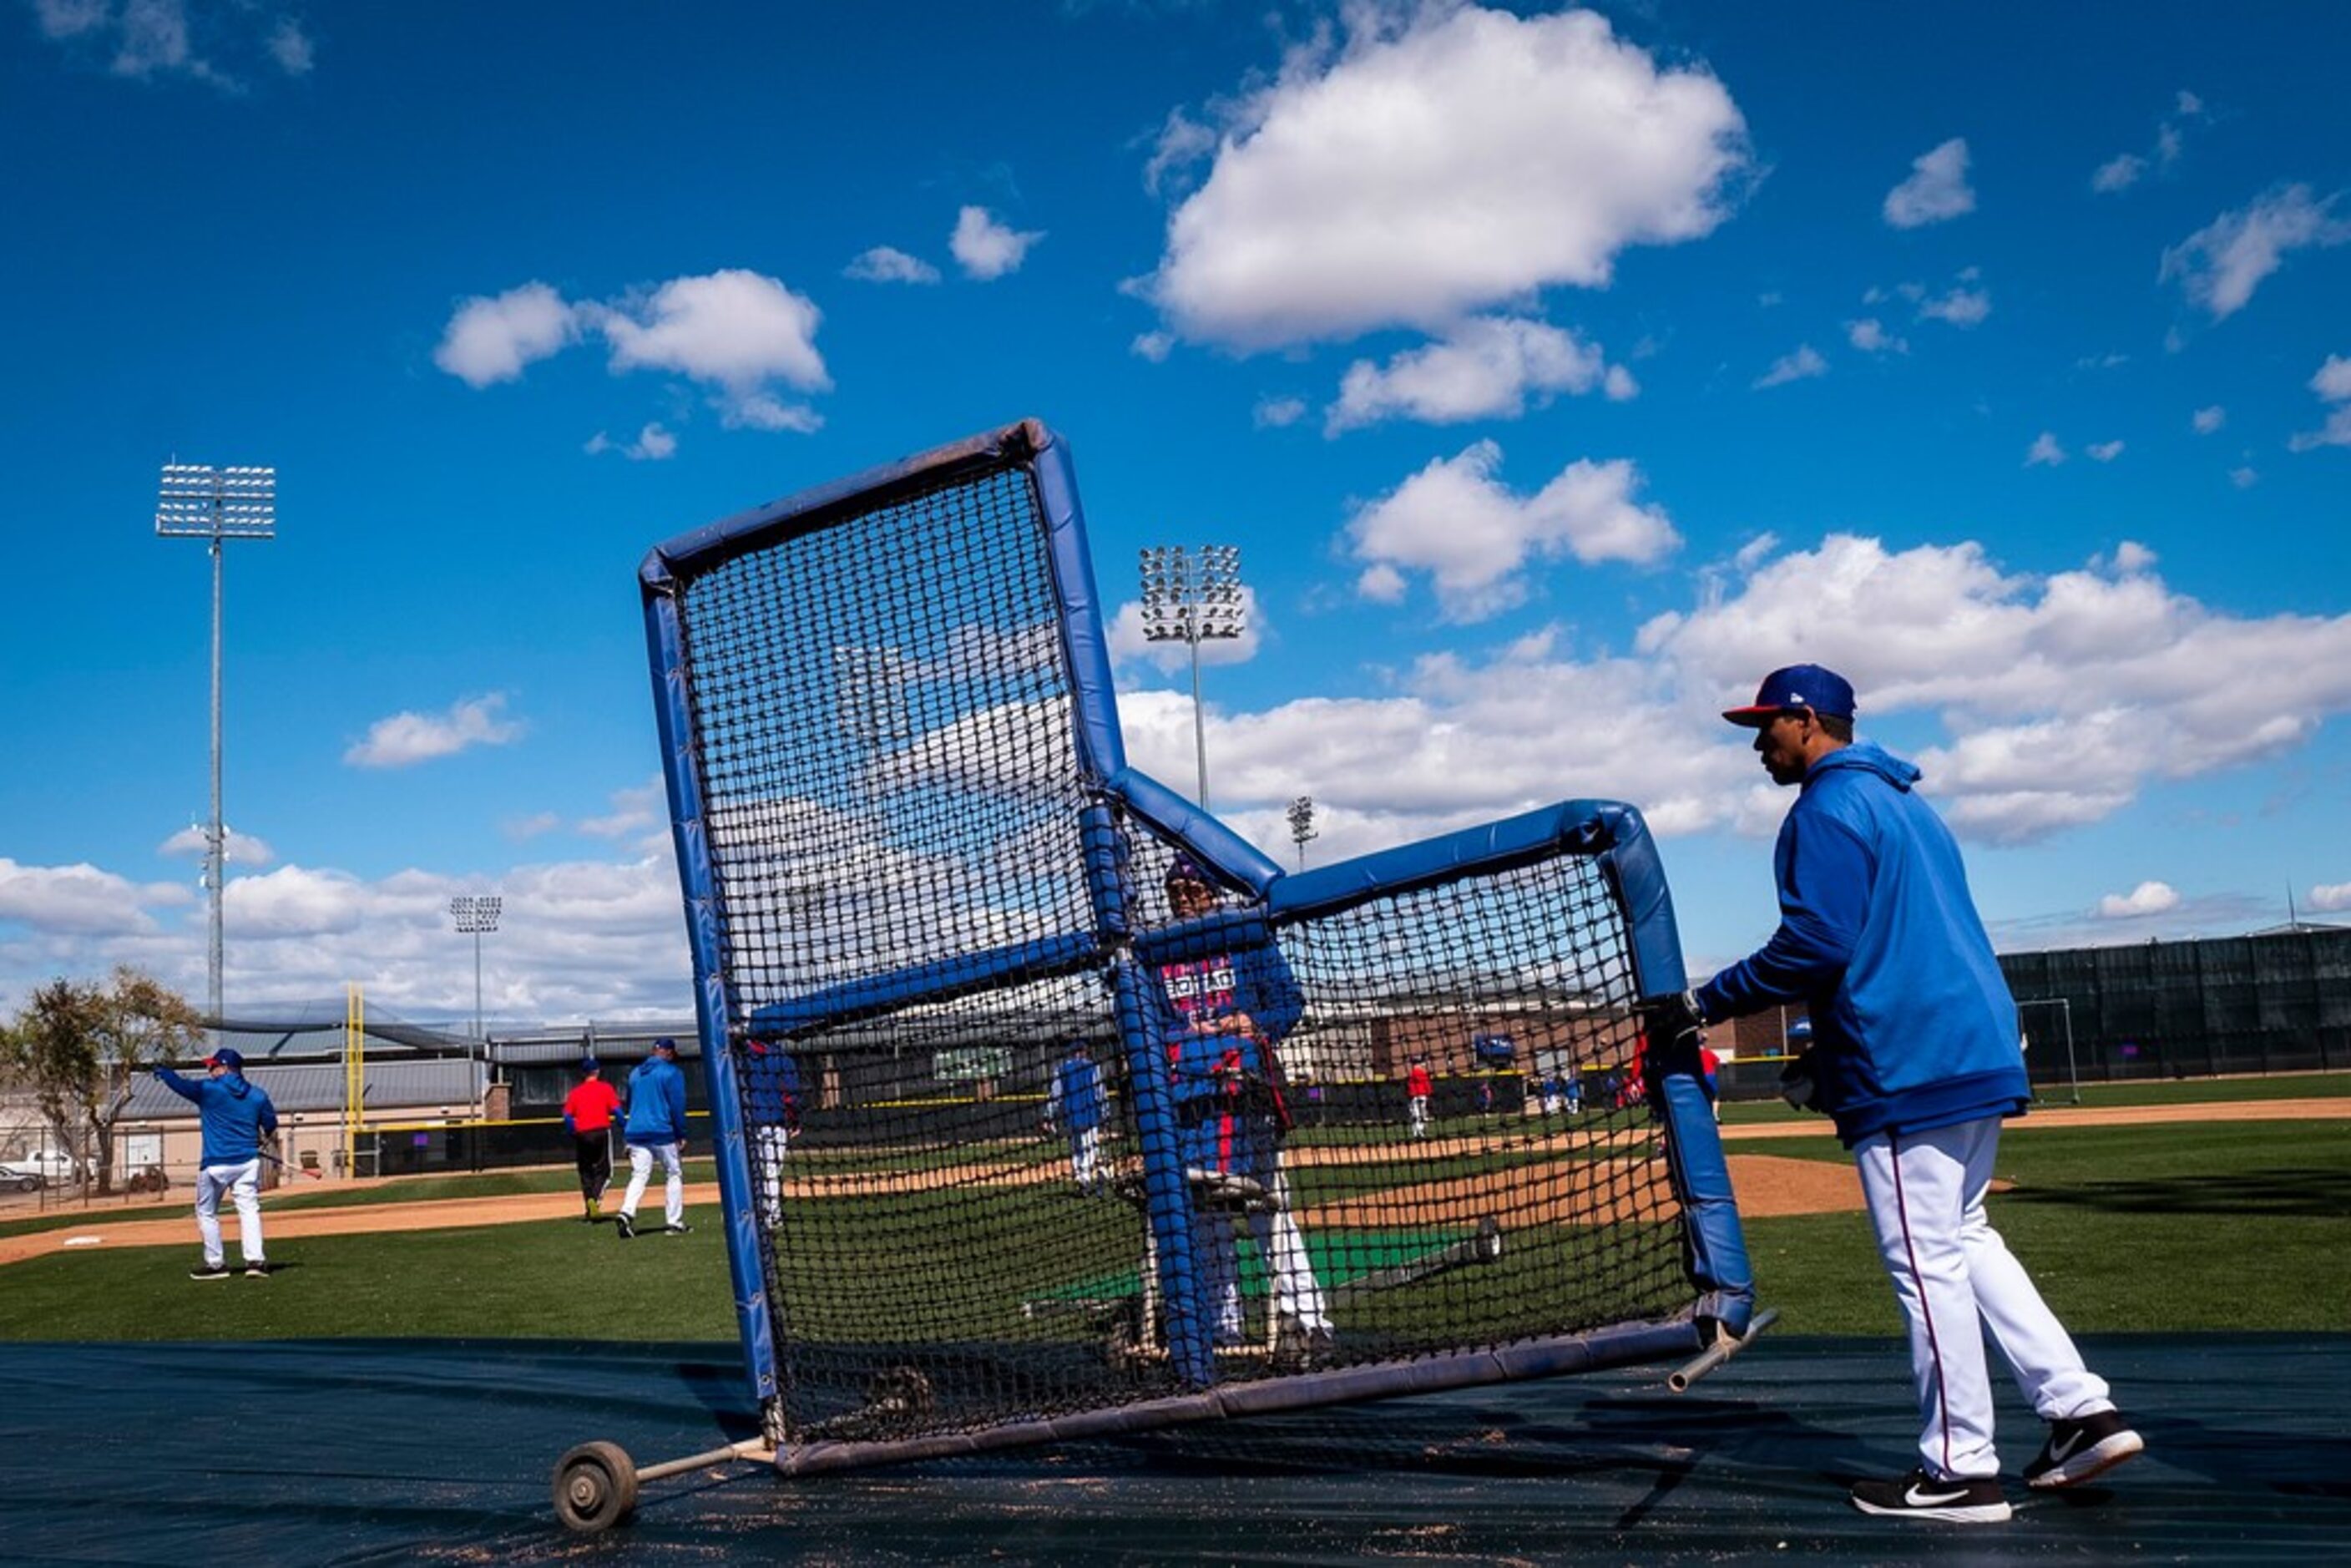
(361, 1451)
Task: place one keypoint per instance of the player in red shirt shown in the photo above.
(588, 1113)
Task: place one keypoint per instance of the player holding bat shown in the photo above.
(1224, 1015)
(1917, 1059)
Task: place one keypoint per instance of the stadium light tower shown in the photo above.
(198, 501)
(473, 916)
(1301, 826)
(1193, 597)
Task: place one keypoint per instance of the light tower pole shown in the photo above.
(199, 501)
(1193, 597)
(473, 916)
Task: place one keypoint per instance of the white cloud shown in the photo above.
(1937, 190)
(1276, 412)
(291, 48)
(1870, 336)
(2147, 898)
(493, 338)
(2104, 451)
(2118, 174)
(734, 327)
(78, 900)
(2064, 695)
(2045, 452)
(530, 827)
(2331, 897)
(1153, 346)
(2333, 385)
(1436, 162)
(986, 247)
(238, 849)
(1802, 365)
(151, 38)
(1485, 368)
(406, 738)
(2209, 419)
(1475, 537)
(1961, 307)
(2245, 478)
(885, 264)
(2220, 265)
(653, 442)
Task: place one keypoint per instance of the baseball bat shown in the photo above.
(281, 1165)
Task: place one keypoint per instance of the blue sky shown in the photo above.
(1556, 371)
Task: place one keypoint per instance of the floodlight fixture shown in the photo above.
(198, 501)
(1192, 597)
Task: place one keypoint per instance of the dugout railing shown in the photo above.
(905, 822)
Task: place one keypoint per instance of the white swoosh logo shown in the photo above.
(2060, 1452)
(1917, 1499)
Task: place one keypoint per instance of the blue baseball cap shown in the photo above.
(665, 1043)
(1184, 868)
(588, 1064)
(1823, 691)
(228, 1056)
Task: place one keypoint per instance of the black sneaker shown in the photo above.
(259, 1269)
(2083, 1448)
(625, 1228)
(1919, 1496)
(680, 1228)
(209, 1271)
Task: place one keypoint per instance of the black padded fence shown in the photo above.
(2278, 1002)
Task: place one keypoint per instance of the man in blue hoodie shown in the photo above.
(655, 1130)
(236, 1115)
(1917, 1059)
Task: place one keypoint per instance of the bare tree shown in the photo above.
(82, 1047)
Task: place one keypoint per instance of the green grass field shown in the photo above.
(2184, 1227)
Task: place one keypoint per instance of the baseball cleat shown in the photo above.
(1921, 1496)
(209, 1271)
(680, 1228)
(624, 1227)
(257, 1268)
(2083, 1448)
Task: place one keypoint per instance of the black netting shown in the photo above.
(971, 1222)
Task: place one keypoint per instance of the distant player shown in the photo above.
(1417, 1087)
(1224, 1014)
(589, 1112)
(1916, 1056)
(1074, 1106)
(656, 1131)
(771, 1091)
(236, 1115)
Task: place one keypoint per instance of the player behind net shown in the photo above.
(1224, 1014)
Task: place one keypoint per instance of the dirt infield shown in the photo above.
(1767, 1185)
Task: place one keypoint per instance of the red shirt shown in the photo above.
(592, 1107)
(1417, 1082)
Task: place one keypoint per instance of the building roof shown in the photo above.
(309, 1087)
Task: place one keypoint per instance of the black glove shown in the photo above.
(1796, 1085)
(1667, 1018)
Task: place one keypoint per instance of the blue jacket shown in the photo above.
(656, 1104)
(235, 1113)
(1075, 1098)
(771, 1085)
(1913, 1025)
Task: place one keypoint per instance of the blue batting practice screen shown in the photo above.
(1047, 1104)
